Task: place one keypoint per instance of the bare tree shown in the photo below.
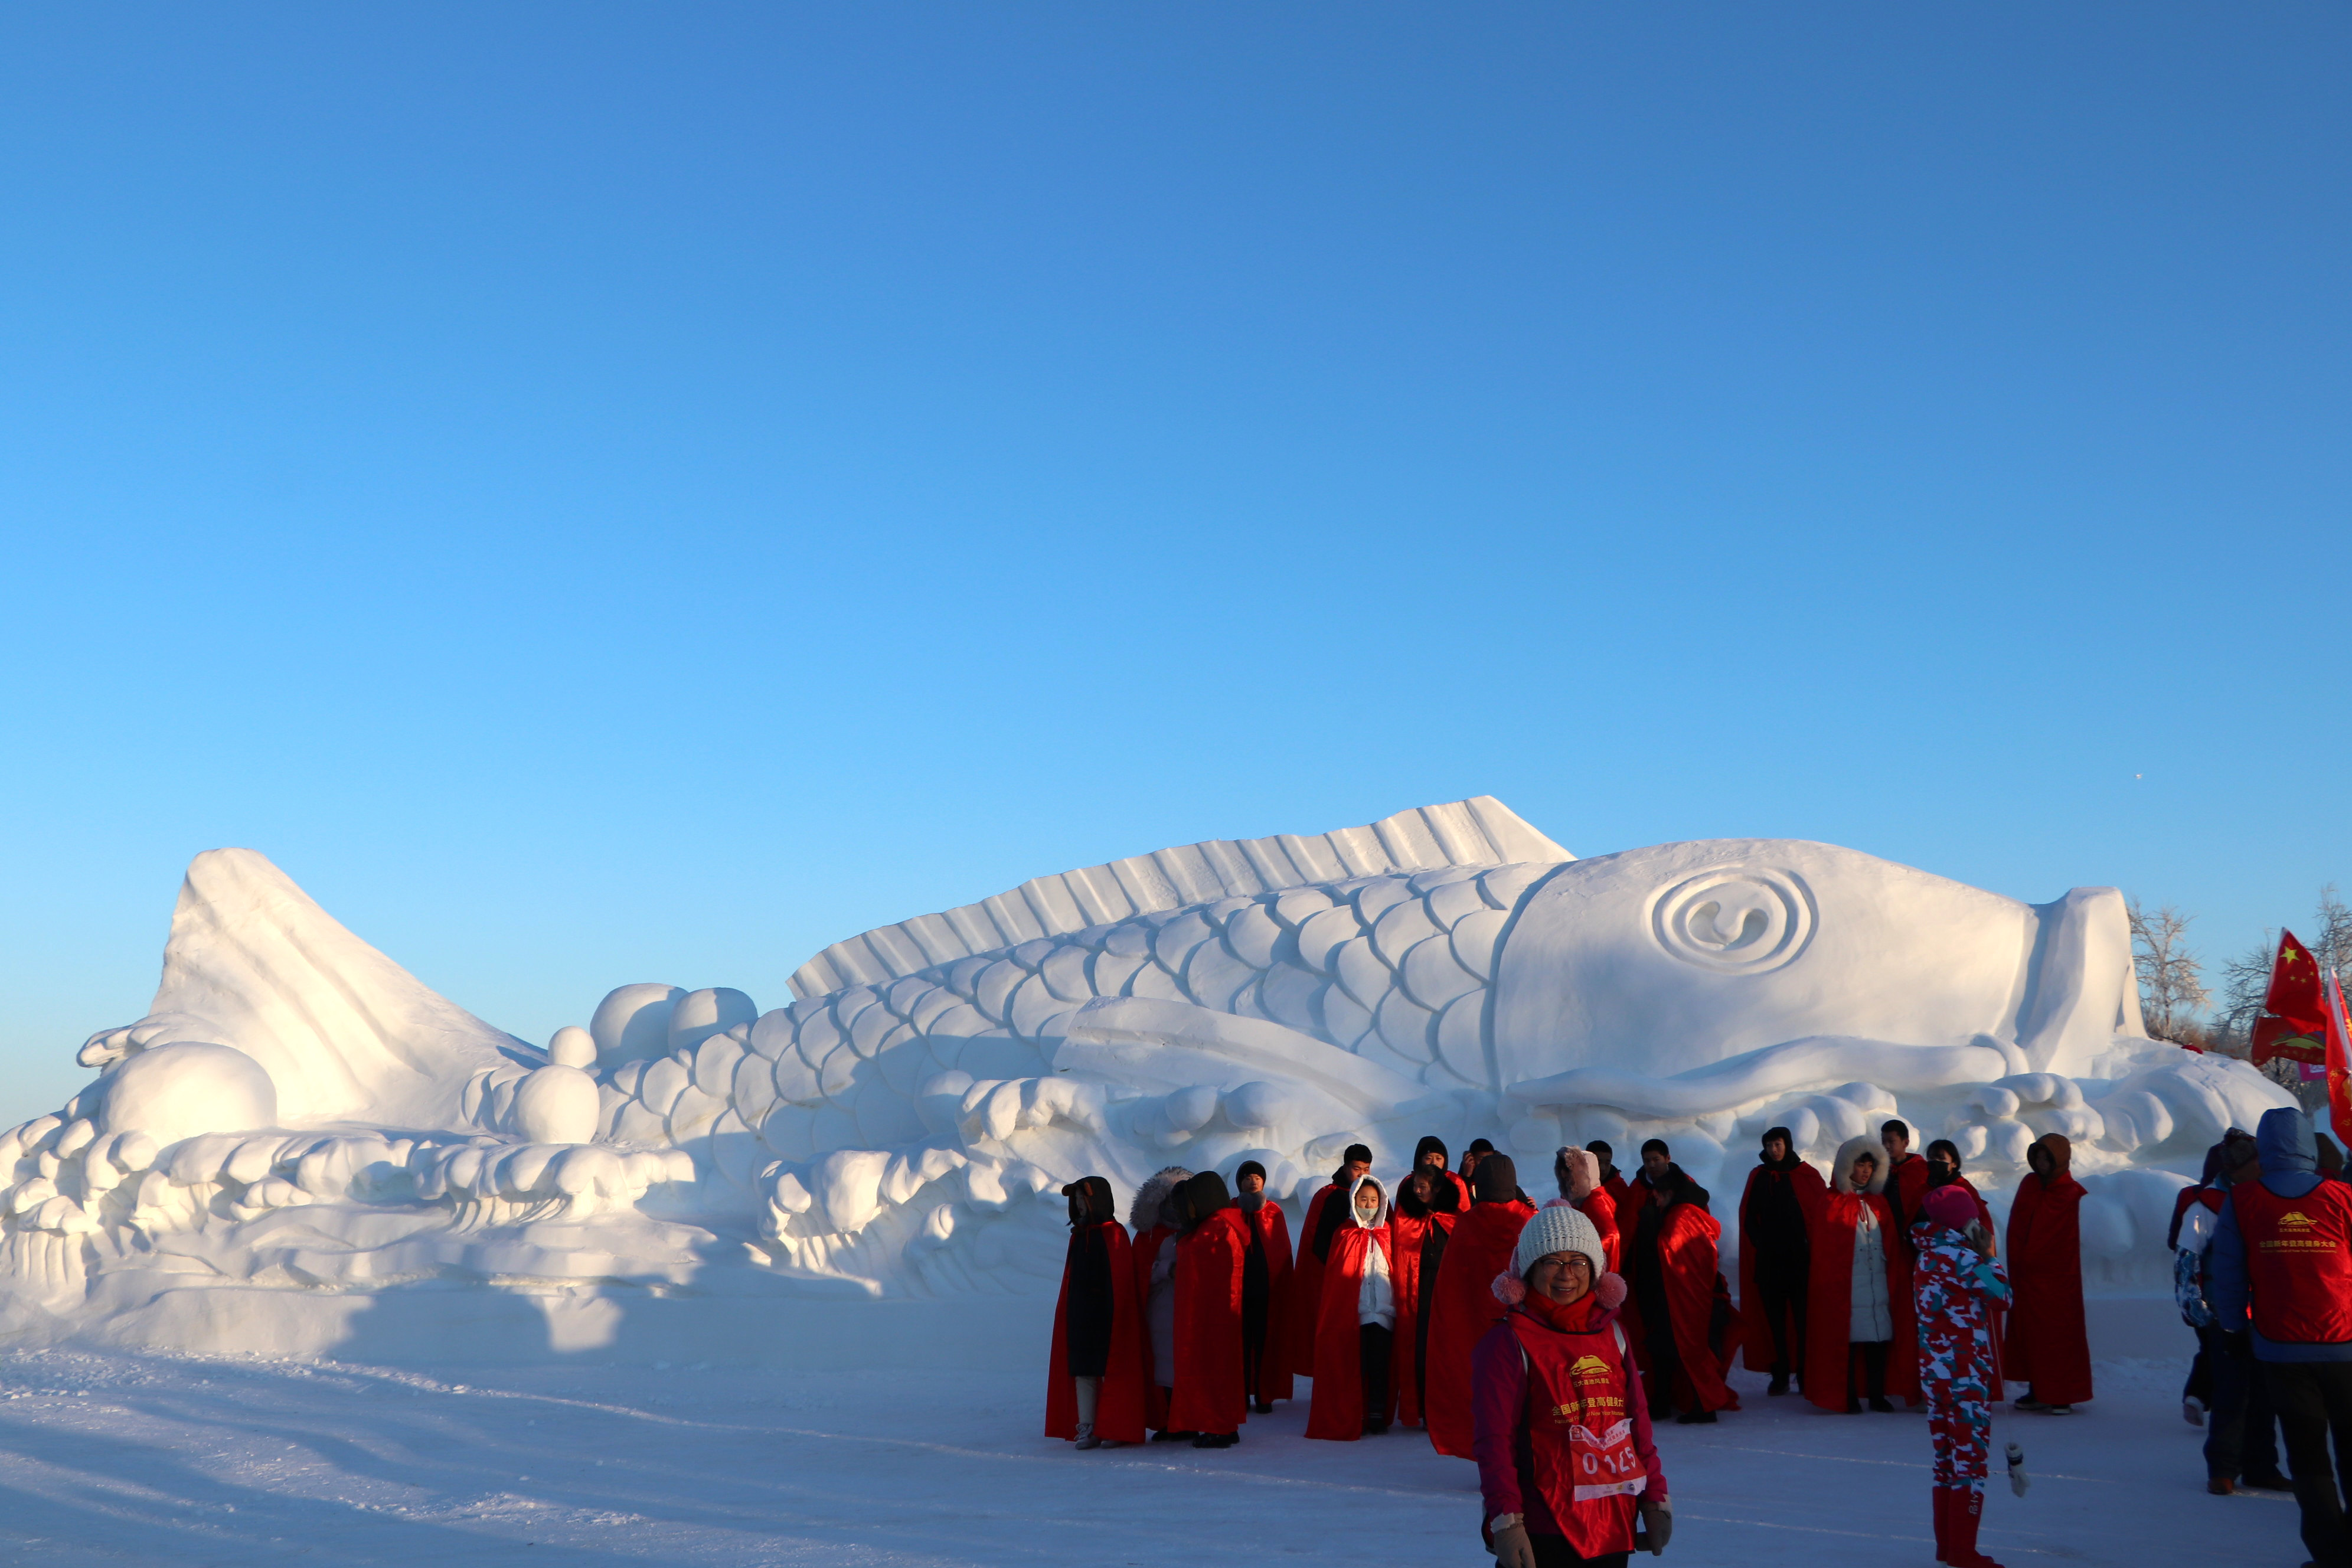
(2245, 982)
(2333, 944)
(2171, 985)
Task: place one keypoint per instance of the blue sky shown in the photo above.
(606, 493)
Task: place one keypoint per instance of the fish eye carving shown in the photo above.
(1737, 920)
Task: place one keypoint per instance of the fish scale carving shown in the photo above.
(1393, 967)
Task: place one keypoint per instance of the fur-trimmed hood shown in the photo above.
(1578, 1171)
(1161, 1190)
(1381, 1220)
(1843, 1173)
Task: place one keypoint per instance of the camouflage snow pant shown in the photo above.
(1960, 1409)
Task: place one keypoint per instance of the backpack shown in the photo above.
(2189, 1267)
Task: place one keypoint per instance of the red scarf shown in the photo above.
(1575, 1318)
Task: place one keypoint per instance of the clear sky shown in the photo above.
(616, 493)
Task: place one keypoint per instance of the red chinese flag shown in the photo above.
(2339, 1061)
(2294, 988)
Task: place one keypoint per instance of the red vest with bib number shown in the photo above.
(2298, 1261)
(1580, 1433)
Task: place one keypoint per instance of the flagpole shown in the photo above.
(2338, 1057)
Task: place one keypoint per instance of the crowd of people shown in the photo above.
(2262, 1250)
(1543, 1342)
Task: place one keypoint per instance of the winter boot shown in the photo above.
(1780, 1383)
(1967, 1512)
(1940, 1501)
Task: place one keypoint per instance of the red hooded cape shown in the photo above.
(1337, 1409)
(1209, 1260)
(1829, 1302)
(1687, 1253)
(2048, 1346)
(1602, 1210)
(1306, 1287)
(1405, 1237)
(1615, 1185)
(1462, 1309)
(1274, 1236)
(1906, 1184)
(1145, 1250)
(1755, 1324)
(1119, 1414)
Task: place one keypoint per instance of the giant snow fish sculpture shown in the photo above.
(298, 1115)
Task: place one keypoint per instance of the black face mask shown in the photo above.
(1942, 1173)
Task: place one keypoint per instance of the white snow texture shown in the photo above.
(302, 1150)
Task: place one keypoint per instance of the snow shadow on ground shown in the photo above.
(899, 1453)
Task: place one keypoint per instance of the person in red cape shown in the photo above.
(2048, 1349)
(1462, 1306)
(1355, 1350)
(1612, 1181)
(1479, 1149)
(1775, 1257)
(1429, 1154)
(1944, 1171)
(1670, 1255)
(1576, 1173)
(1420, 1223)
(1907, 1177)
(1567, 1471)
(1657, 1159)
(1862, 1337)
(1208, 1400)
(1154, 1217)
(1094, 1385)
(1306, 1269)
(1265, 1291)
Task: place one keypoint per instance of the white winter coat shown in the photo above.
(1872, 1310)
(1376, 1297)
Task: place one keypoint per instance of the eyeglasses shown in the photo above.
(1575, 1262)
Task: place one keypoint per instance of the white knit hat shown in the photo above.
(1557, 1227)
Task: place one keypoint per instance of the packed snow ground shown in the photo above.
(918, 1444)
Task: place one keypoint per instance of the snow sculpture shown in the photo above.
(297, 1114)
